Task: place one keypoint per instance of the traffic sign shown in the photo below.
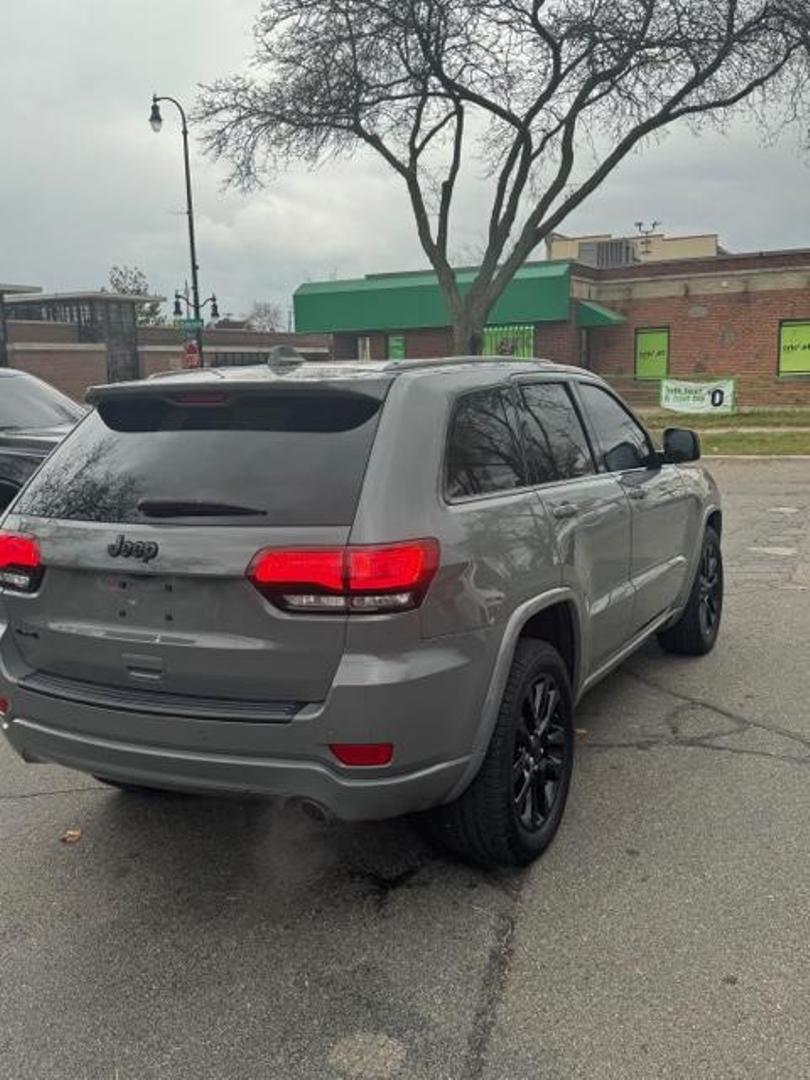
(191, 355)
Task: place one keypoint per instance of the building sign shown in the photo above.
(652, 353)
(515, 340)
(698, 397)
(794, 348)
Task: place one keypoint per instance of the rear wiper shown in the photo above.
(195, 508)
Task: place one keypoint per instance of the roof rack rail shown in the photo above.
(444, 361)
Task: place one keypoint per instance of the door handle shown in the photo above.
(564, 510)
(636, 493)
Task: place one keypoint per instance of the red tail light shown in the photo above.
(314, 568)
(5, 706)
(370, 579)
(20, 562)
(363, 753)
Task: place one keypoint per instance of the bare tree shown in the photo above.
(265, 316)
(553, 94)
(131, 281)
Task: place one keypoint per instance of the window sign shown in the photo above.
(652, 353)
(516, 340)
(396, 346)
(794, 348)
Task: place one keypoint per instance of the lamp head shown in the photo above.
(155, 119)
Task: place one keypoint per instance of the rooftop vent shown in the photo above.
(606, 254)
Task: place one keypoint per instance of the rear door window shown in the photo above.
(483, 453)
(556, 445)
(284, 458)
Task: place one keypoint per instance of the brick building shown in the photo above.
(76, 340)
(630, 312)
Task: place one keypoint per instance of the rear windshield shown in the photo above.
(286, 458)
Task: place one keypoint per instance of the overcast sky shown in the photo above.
(85, 183)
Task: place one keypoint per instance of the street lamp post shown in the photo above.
(182, 297)
(156, 120)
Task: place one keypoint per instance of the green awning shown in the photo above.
(591, 314)
(539, 292)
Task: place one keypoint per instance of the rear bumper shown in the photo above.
(349, 798)
(426, 702)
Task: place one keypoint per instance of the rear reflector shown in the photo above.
(20, 562)
(358, 579)
(363, 753)
(5, 706)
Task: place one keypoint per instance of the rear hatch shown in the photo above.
(148, 517)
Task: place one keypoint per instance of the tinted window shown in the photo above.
(285, 459)
(624, 444)
(483, 454)
(556, 445)
(26, 402)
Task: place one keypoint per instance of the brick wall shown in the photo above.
(427, 343)
(71, 371)
(557, 341)
(345, 346)
(734, 335)
(156, 359)
(743, 262)
(41, 332)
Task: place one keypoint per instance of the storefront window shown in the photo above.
(396, 346)
(794, 348)
(515, 340)
(652, 353)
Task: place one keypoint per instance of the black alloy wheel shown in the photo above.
(541, 748)
(710, 590)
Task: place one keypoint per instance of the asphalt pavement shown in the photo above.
(665, 934)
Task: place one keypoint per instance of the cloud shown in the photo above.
(85, 183)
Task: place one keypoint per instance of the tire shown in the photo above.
(489, 824)
(695, 632)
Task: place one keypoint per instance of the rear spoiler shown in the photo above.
(212, 381)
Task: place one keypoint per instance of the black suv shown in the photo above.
(34, 418)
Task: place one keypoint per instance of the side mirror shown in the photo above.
(680, 445)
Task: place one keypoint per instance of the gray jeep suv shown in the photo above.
(372, 589)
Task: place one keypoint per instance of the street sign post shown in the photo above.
(189, 326)
(191, 355)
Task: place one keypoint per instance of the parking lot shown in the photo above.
(665, 934)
